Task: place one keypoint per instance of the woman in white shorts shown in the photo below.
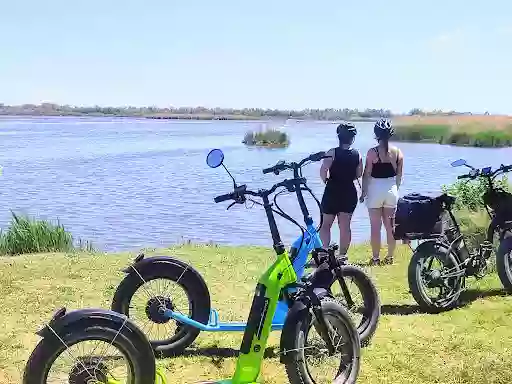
(381, 180)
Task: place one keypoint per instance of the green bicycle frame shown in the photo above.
(259, 323)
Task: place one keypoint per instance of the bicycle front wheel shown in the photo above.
(310, 362)
(96, 353)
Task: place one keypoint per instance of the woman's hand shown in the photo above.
(361, 199)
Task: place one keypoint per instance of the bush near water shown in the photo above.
(470, 209)
(28, 235)
(267, 138)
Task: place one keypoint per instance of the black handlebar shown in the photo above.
(292, 185)
(240, 191)
(282, 165)
(478, 172)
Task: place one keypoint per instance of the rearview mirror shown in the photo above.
(458, 163)
(215, 158)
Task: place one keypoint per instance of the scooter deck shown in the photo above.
(214, 325)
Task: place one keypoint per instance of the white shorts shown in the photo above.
(382, 193)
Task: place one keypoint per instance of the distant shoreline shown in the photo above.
(241, 114)
(194, 113)
(201, 117)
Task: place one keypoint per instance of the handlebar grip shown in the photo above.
(317, 156)
(268, 170)
(464, 177)
(227, 196)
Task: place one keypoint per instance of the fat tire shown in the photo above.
(414, 284)
(199, 302)
(503, 263)
(368, 324)
(296, 368)
(137, 351)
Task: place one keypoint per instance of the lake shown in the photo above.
(126, 184)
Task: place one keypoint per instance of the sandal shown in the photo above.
(374, 261)
(388, 260)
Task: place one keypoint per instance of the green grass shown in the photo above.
(267, 138)
(467, 345)
(463, 135)
(28, 235)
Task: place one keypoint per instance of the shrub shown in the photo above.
(470, 210)
(267, 138)
(469, 194)
(26, 235)
(474, 227)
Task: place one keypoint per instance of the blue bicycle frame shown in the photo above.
(304, 248)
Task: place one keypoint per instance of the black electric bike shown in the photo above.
(442, 261)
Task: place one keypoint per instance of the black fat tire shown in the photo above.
(137, 351)
(370, 320)
(296, 368)
(503, 263)
(414, 279)
(199, 302)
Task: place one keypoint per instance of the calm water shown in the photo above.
(129, 183)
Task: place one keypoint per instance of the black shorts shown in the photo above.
(339, 199)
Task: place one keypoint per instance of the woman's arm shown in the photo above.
(326, 164)
(399, 167)
(366, 173)
(359, 170)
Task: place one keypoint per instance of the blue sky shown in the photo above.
(279, 54)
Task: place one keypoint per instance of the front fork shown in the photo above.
(334, 266)
(322, 326)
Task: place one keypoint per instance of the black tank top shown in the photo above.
(344, 167)
(382, 170)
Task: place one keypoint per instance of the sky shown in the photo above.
(398, 55)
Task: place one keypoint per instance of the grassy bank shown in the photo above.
(462, 130)
(270, 138)
(467, 345)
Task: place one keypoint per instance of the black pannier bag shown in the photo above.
(418, 216)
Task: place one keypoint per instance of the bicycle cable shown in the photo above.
(302, 229)
(281, 213)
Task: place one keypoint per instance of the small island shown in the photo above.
(489, 131)
(269, 138)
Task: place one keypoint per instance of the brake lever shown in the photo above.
(230, 205)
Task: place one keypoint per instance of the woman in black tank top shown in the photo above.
(340, 195)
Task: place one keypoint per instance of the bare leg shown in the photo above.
(345, 232)
(388, 218)
(375, 224)
(325, 230)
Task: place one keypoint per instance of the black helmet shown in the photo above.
(383, 129)
(346, 130)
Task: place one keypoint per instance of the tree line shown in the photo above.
(50, 109)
